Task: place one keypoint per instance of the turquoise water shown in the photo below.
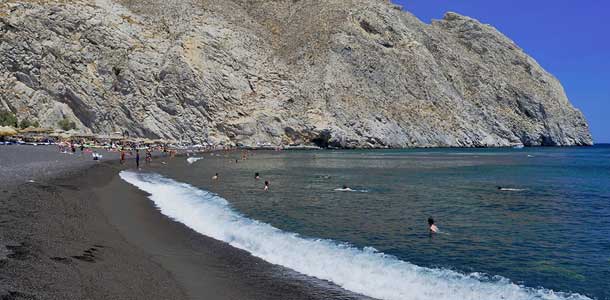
(553, 233)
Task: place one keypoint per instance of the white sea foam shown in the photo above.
(365, 271)
(512, 190)
(192, 160)
(350, 190)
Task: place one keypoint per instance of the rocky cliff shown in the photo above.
(348, 73)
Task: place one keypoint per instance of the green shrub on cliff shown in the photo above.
(7, 118)
(25, 123)
(66, 124)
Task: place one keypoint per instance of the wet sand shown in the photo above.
(80, 232)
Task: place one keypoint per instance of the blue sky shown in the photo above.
(570, 39)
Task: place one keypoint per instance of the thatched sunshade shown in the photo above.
(7, 131)
(147, 141)
(36, 130)
(56, 133)
(61, 134)
(108, 137)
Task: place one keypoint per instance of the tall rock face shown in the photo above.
(345, 73)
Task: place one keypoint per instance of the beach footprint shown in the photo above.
(89, 255)
(15, 295)
(63, 260)
(18, 252)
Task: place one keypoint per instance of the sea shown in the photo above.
(530, 223)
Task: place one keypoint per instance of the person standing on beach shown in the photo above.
(148, 156)
(138, 159)
(122, 156)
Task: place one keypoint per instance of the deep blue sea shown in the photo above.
(546, 236)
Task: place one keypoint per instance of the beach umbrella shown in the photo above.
(109, 137)
(71, 133)
(35, 130)
(56, 133)
(7, 131)
(84, 135)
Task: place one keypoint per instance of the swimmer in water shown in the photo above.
(345, 188)
(257, 176)
(431, 226)
(509, 189)
(215, 177)
(266, 185)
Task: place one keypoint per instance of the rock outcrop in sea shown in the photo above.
(343, 73)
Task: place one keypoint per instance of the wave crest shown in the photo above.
(365, 271)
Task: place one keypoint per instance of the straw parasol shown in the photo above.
(147, 141)
(56, 133)
(65, 135)
(35, 130)
(109, 137)
(62, 134)
(7, 131)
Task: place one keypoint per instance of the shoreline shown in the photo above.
(80, 232)
(59, 245)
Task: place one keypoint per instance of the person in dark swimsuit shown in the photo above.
(137, 158)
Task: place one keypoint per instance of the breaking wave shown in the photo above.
(365, 271)
(192, 160)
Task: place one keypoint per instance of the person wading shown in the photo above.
(431, 226)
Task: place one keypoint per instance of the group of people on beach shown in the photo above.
(70, 147)
(124, 149)
(147, 157)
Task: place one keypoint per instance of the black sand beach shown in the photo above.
(79, 232)
(57, 243)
